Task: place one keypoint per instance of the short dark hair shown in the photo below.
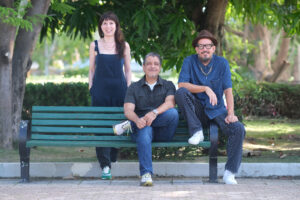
(152, 54)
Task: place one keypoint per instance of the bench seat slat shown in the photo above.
(77, 116)
(77, 109)
(116, 144)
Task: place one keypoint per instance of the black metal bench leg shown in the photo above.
(213, 153)
(24, 152)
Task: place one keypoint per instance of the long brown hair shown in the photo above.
(119, 36)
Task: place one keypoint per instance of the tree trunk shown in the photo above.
(262, 62)
(7, 35)
(211, 19)
(281, 57)
(296, 71)
(283, 67)
(24, 45)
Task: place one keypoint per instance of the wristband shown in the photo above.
(155, 112)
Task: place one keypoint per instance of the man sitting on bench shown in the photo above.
(149, 105)
(203, 79)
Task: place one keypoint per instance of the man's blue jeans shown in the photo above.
(162, 129)
(196, 118)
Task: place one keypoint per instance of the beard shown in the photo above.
(204, 59)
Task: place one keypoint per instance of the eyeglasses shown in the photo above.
(206, 46)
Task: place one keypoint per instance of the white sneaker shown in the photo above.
(229, 178)
(196, 138)
(119, 129)
(146, 180)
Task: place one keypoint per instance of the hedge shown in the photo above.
(268, 99)
(51, 94)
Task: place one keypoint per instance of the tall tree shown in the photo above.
(15, 62)
(7, 36)
(21, 63)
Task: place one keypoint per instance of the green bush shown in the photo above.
(269, 99)
(51, 94)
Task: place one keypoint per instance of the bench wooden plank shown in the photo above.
(48, 129)
(89, 109)
(116, 144)
(79, 137)
(75, 122)
(83, 130)
(76, 116)
(93, 137)
(91, 122)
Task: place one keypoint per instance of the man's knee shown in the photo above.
(144, 135)
(172, 114)
(238, 129)
(242, 129)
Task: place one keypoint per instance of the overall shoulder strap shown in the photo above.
(96, 47)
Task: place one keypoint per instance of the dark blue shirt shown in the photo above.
(218, 79)
(145, 100)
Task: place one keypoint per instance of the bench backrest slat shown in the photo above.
(76, 109)
(78, 137)
(109, 123)
(92, 137)
(44, 129)
(76, 116)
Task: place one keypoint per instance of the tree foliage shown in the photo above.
(14, 17)
(167, 26)
(279, 13)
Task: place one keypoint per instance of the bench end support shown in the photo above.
(24, 152)
(213, 153)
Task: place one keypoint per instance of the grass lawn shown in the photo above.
(267, 140)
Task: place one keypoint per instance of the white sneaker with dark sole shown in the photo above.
(121, 128)
(146, 180)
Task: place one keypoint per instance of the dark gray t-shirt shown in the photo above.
(145, 100)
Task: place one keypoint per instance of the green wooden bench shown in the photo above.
(67, 126)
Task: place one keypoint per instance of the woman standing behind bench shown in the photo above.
(107, 83)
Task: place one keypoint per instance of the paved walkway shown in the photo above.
(164, 188)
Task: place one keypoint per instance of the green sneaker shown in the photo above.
(106, 175)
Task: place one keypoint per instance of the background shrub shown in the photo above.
(51, 94)
(268, 99)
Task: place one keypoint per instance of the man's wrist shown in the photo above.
(155, 112)
(230, 112)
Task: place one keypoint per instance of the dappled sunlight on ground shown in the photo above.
(287, 147)
(264, 129)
